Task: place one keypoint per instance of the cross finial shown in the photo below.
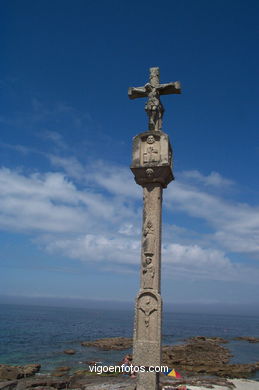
(153, 90)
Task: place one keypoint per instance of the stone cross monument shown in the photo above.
(152, 168)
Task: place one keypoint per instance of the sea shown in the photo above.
(38, 334)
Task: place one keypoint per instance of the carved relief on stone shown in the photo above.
(149, 172)
(152, 90)
(148, 238)
(151, 152)
(148, 272)
(147, 316)
(154, 108)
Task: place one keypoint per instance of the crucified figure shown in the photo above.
(152, 91)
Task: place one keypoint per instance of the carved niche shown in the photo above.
(151, 150)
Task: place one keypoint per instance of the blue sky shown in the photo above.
(70, 212)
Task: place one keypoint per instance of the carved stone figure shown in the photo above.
(150, 172)
(152, 91)
(154, 108)
(149, 238)
(151, 152)
(151, 139)
(148, 273)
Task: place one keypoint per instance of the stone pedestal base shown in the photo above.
(147, 337)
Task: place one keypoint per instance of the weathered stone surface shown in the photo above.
(111, 343)
(247, 338)
(147, 332)
(69, 351)
(152, 158)
(152, 91)
(15, 372)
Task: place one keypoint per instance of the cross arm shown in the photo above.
(169, 88)
(137, 92)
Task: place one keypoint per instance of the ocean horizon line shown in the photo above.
(244, 308)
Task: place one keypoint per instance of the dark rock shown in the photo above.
(60, 371)
(247, 338)
(69, 351)
(112, 343)
(9, 372)
(195, 354)
(63, 368)
(238, 370)
(17, 372)
(30, 369)
(44, 381)
(205, 357)
(218, 340)
(9, 385)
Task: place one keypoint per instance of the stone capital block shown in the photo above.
(152, 158)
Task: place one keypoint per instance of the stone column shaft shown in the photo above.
(147, 331)
(151, 237)
(152, 160)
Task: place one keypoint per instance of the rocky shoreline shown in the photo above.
(199, 355)
(81, 381)
(202, 361)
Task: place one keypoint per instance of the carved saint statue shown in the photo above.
(149, 238)
(148, 273)
(151, 151)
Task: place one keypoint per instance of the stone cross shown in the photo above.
(152, 168)
(153, 90)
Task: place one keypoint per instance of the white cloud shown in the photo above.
(70, 165)
(106, 248)
(214, 179)
(51, 203)
(236, 224)
(99, 221)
